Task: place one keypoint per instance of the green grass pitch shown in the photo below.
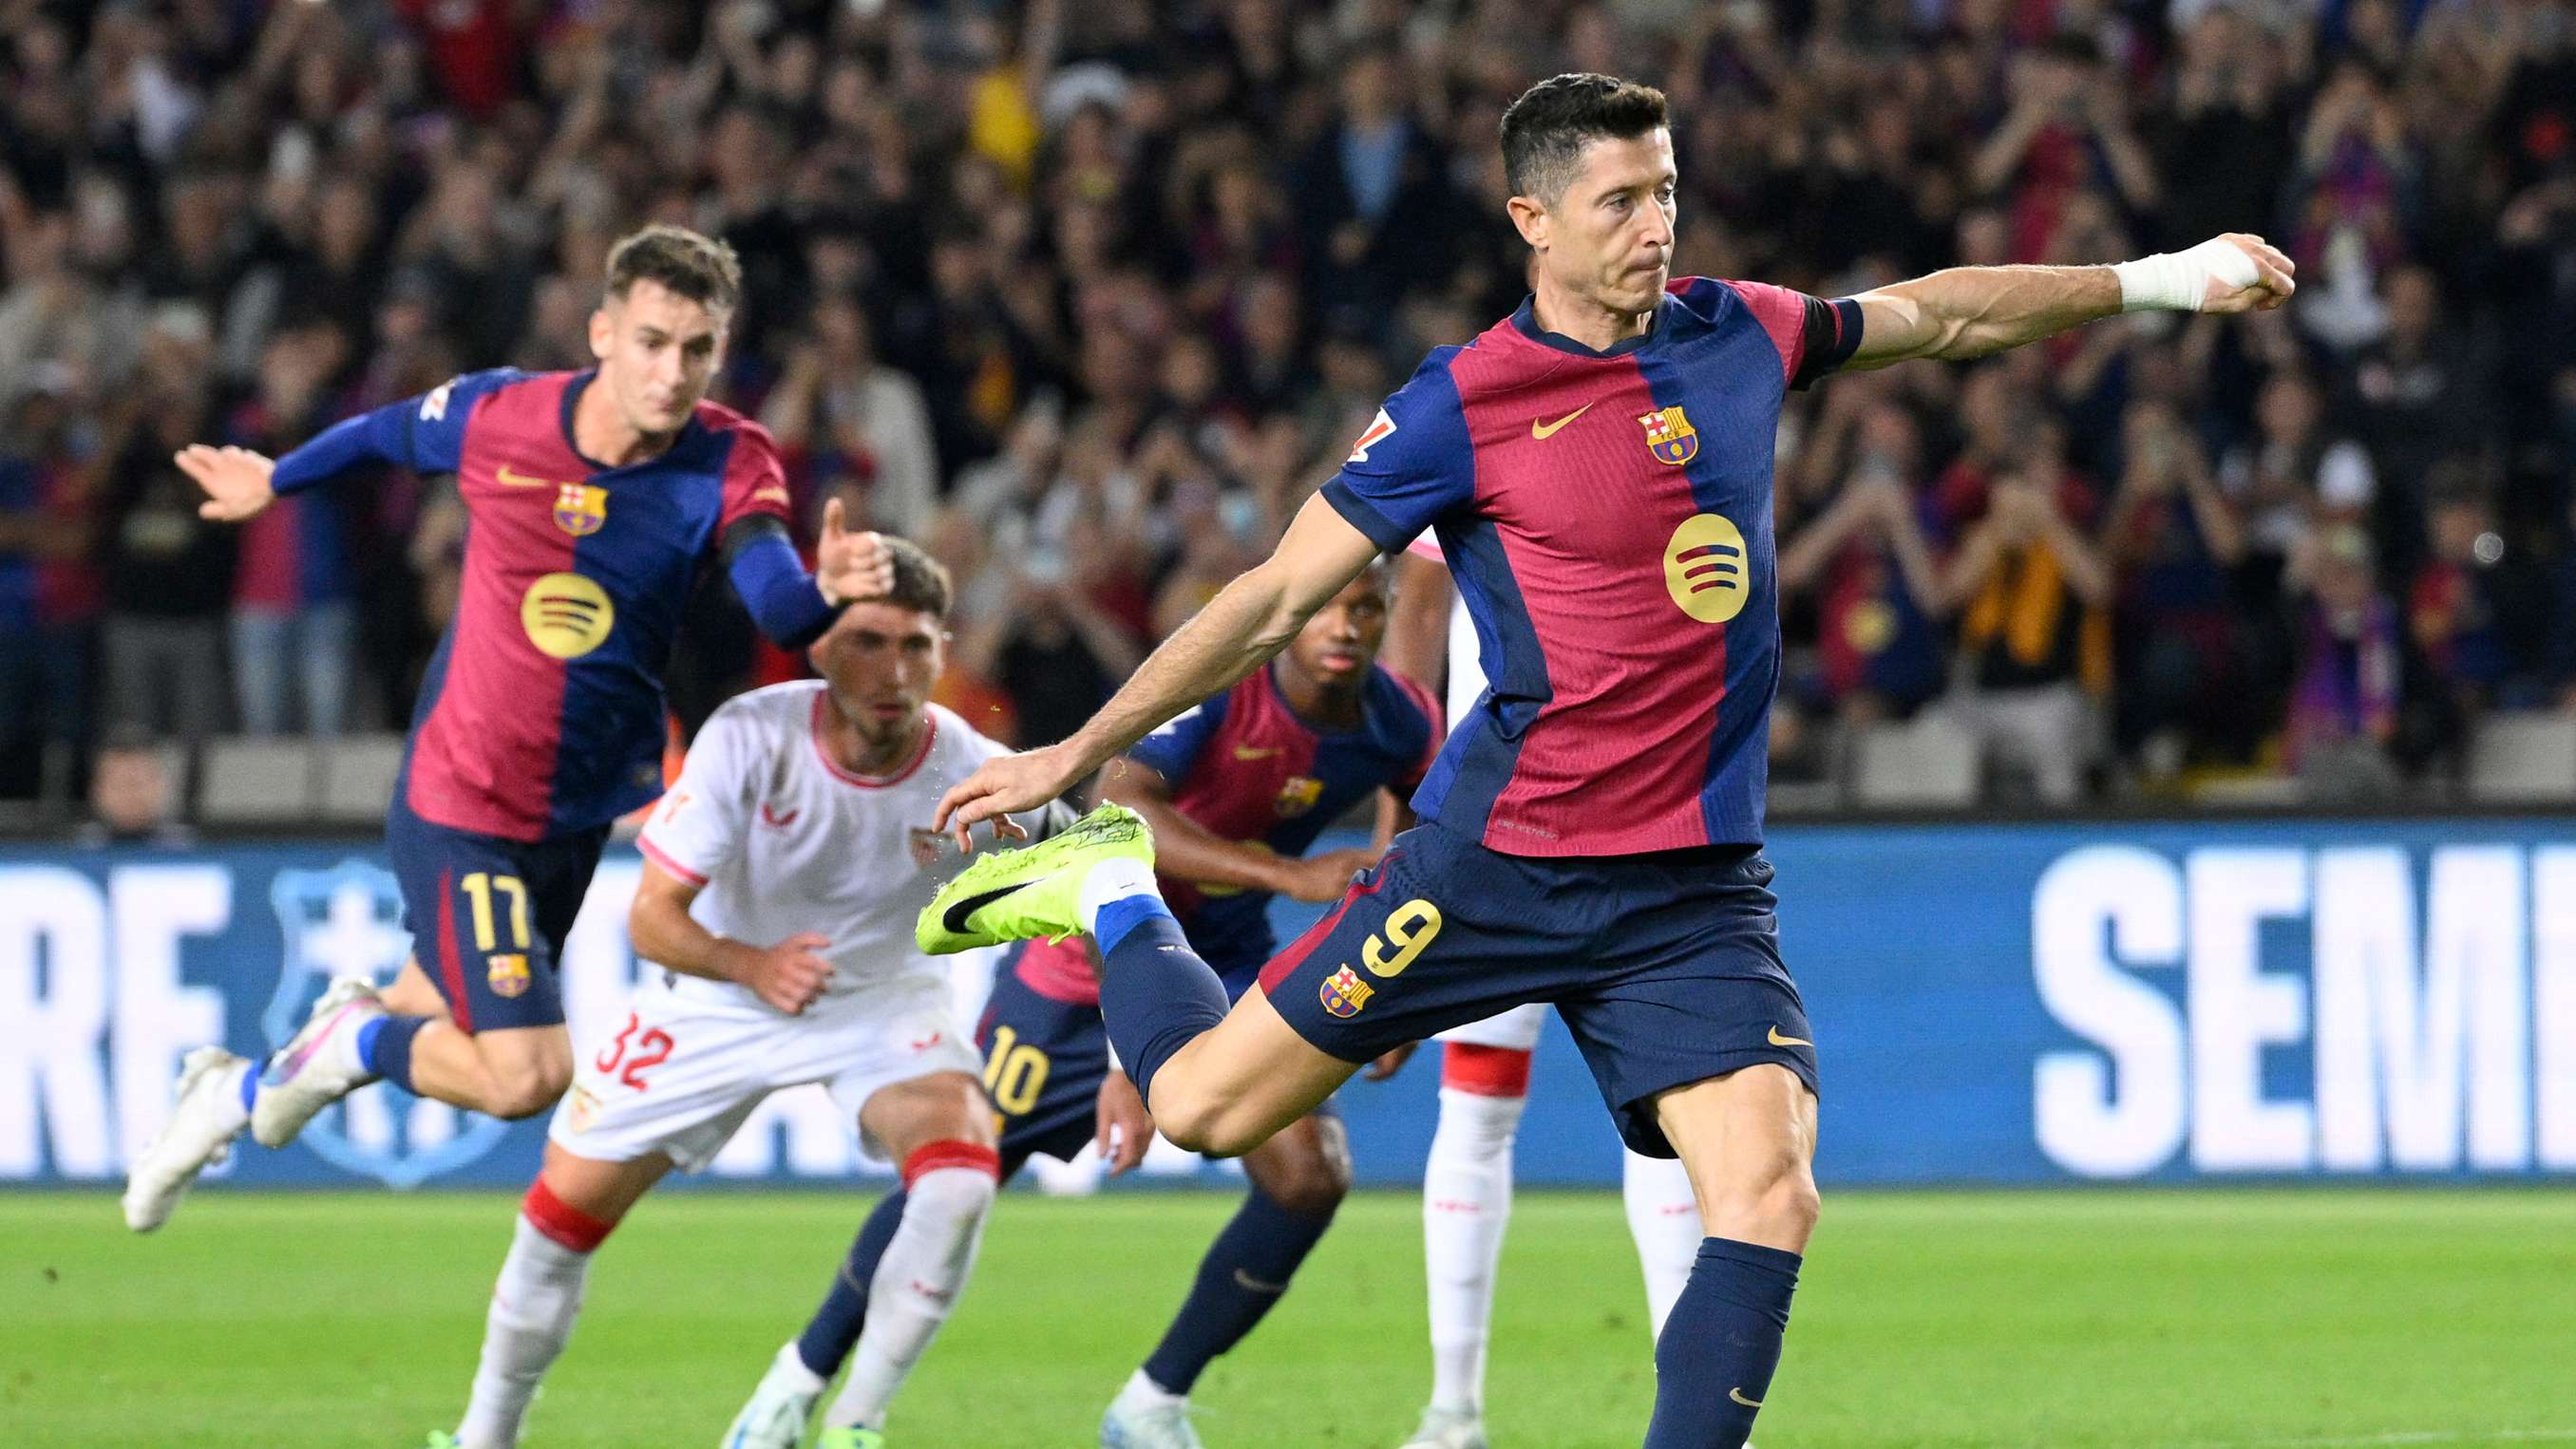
(2254, 1320)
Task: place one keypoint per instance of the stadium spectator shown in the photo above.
(293, 627)
(132, 799)
(2351, 672)
(2179, 649)
(49, 592)
(2030, 588)
(839, 413)
(168, 574)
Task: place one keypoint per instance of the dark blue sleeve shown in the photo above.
(783, 599)
(1414, 463)
(1173, 749)
(425, 434)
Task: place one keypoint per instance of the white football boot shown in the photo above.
(203, 1123)
(1447, 1429)
(1144, 1416)
(780, 1404)
(318, 1067)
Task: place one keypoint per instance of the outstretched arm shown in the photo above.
(424, 433)
(1252, 619)
(1972, 311)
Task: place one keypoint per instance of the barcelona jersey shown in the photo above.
(1607, 518)
(542, 711)
(1247, 767)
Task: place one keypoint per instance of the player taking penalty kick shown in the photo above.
(593, 497)
(781, 877)
(1598, 470)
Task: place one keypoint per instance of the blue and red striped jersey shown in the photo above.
(1607, 518)
(1249, 768)
(542, 711)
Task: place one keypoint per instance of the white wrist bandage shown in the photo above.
(2179, 281)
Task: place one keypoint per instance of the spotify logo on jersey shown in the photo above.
(1706, 568)
(566, 615)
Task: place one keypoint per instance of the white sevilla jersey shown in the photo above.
(784, 840)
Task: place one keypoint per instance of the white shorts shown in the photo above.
(1516, 1029)
(681, 1072)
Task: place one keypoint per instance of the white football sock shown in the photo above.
(918, 1279)
(1114, 879)
(1664, 1219)
(1466, 1202)
(533, 1307)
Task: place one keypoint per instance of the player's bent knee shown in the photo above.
(1199, 1124)
(524, 1089)
(1781, 1203)
(1313, 1190)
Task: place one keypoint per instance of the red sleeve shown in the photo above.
(1814, 336)
(755, 479)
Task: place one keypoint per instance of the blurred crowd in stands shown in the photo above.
(1088, 295)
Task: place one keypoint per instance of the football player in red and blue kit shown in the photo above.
(1237, 789)
(1597, 468)
(594, 500)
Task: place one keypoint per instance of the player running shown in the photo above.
(1598, 469)
(595, 498)
(780, 881)
(1237, 790)
(1484, 1087)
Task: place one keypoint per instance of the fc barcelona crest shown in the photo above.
(580, 508)
(1670, 436)
(1344, 993)
(1297, 796)
(507, 973)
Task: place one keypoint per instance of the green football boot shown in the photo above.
(850, 1439)
(1013, 895)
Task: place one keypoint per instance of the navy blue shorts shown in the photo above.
(1044, 1061)
(488, 916)
(1666, 966)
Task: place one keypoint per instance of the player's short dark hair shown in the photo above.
(680, 261)
(920, 581)
(1545, 131)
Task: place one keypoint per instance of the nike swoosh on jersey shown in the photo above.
(1249, 752)
(958, 910)
(509, 477)
(1545, 431)
(1778, 1040)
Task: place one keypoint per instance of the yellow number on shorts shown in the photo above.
(1015, 1073)
(478, 889)
(1410, 927)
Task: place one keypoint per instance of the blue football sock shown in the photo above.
(250, 1084)
(1245, 1271)
(834, 1330)
(1156, 995)
(1714, 1359)
(384, 1047)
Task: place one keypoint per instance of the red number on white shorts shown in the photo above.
(653, 1048)
(615, 1051)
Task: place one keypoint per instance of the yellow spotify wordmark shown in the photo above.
(566, 615)
(1707, 568)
